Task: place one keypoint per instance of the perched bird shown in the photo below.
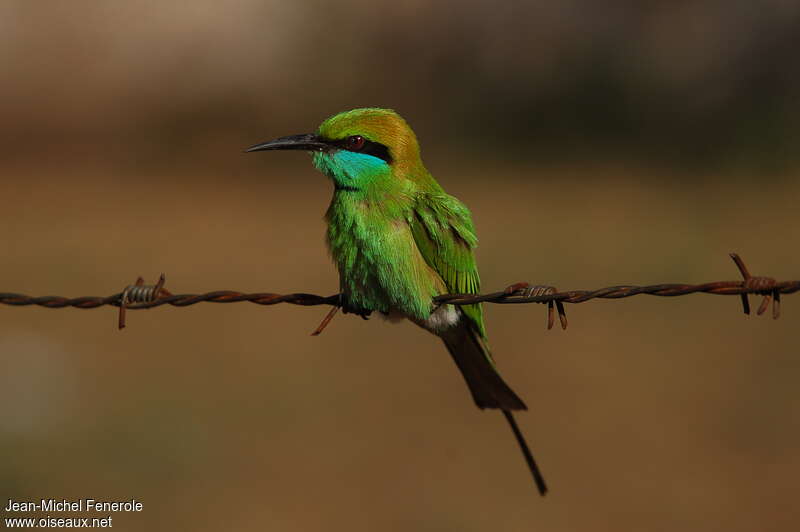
(399, 240)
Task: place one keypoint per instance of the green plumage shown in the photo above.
(396, 237)
(398, 241)
(445, 236)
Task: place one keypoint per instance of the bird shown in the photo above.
(399, 240)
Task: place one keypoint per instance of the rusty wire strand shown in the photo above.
(140, 296)
(724, 288)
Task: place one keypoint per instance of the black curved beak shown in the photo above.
(306, 141)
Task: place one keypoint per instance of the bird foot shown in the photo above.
(365, 314)
(350, 308)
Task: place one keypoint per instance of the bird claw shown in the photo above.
(524, 289)
(349, 308)
(364, 313)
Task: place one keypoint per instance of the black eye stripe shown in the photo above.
(376, 149)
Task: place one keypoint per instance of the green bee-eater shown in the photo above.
(399, 240)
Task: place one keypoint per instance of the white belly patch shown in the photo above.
(441, 319)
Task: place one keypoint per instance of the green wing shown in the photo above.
(444, 233)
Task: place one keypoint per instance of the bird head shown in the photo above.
(360, 150)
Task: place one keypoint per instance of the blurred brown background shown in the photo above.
(634, 143)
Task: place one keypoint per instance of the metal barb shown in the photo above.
(763, 306)
(139, 293)
(525, 289)
(745, 275)
(766, 286)
(325, 321)
(562, 315)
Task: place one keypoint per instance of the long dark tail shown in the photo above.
(489, 390)
(526, 452)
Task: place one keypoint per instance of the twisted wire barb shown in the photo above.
(721, 288)
(140, 296)
(176, 300)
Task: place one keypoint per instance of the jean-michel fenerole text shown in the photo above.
(76, 505)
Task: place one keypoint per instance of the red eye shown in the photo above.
(355, 143)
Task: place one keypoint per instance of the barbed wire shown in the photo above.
(141, 296)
